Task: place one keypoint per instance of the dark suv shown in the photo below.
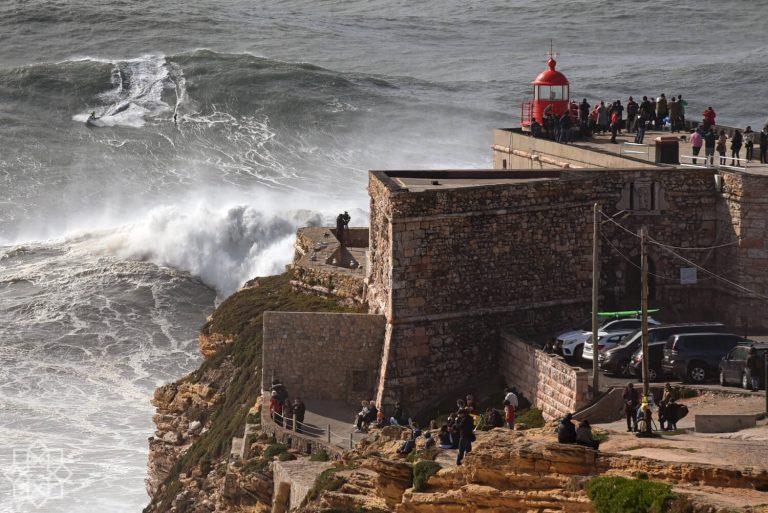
(655, 355)
(696, 356)
(617, 360)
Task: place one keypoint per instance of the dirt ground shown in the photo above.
(743, 449)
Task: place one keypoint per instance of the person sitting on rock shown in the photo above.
(366, 416)
(410, 444)
(446, 438)
(584, 435)
(470, 404)
(428, 440)
(381, 420)
(399, 416)
(361, 415)
(566, 430)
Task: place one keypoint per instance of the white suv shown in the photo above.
(571, 343)
(605, 341)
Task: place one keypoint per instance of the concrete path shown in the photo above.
(336, 414)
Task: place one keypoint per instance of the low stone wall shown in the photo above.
(549, 383)
(300, 476)
(326, 356)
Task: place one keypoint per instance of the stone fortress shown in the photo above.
(462, 269)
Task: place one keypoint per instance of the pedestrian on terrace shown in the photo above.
(662, 111)
(466, 428)
(631, 402)
(288, 413)
(750, 137)
(603, 120)
(722, 140)
(299, 410)
(764, 145)
(710, 140)
(509, 414)
(276, 408)
(709, 118)
(697, 141)
(632, 110)
(736, 143)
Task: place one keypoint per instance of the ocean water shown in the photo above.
(223, 126)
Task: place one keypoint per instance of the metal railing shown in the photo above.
(291, 424)
(632, 148)
(713, 161)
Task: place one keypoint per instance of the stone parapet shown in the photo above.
(550, 384)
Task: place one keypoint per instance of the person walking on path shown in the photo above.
(299, 411)
(710, 140)
(466, 428)
(764, 145)
(749, 143)
(565, 127)
(615, 122)
(736, 143)
(631, 401)
(697, 141)
(753, 368)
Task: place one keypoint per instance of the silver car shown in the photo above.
(605, 341)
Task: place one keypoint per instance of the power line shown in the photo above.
(716, 276)
(630, 262)
(682, 248)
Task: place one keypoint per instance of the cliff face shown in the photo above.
(198, 416)
(520, 472)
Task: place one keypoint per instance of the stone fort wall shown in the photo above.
(328, 356)
(450, 267)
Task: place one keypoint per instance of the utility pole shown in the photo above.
(644, 313)
(595, 293)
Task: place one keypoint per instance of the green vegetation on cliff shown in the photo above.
(239, 316)
(623, 495)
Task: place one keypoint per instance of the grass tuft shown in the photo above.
(623, 495)
(422, 471)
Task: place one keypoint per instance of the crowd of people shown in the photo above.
(583, 120)
(639, 415)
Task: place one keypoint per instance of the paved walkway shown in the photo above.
(336, 414)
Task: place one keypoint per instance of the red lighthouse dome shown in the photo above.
(550, 93)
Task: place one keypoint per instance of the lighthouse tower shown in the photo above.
(550, 88)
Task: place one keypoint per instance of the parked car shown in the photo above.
(733, 366)
(605, 341)
(617, 360)
(697, 356)
(571, 344)
(655, 356)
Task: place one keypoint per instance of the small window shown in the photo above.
(504, 164)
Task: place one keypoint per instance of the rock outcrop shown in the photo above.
(210, 341)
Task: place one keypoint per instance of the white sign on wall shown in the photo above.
(688, 276)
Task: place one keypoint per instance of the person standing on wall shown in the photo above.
(674, 115)
(466, 427)
(722, 141)
(631, 401)
(584, 114)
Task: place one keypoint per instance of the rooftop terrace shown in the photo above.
(419, 181)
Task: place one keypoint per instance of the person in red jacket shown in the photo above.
(615, 122)
(276, 409)
(709, 117)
